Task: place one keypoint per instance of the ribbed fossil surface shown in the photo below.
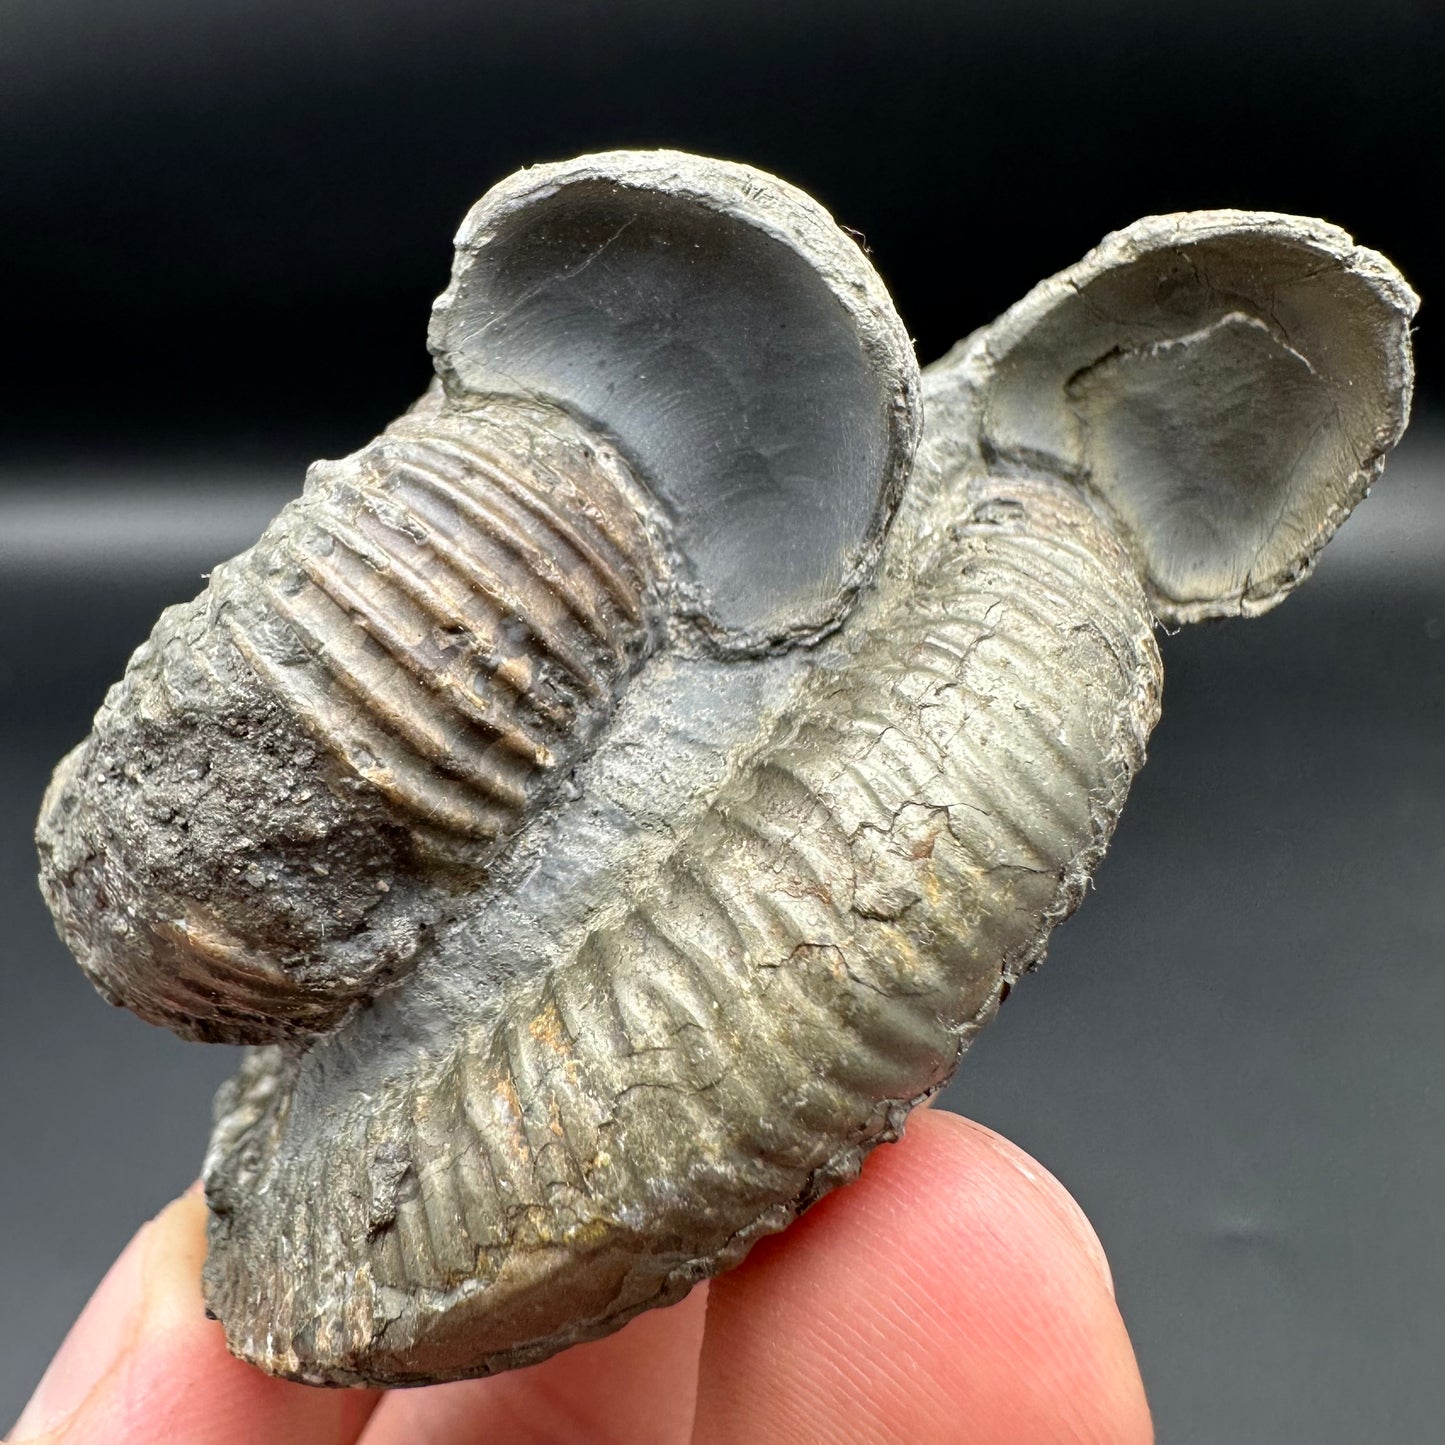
(412, 656)
(451, 610)
(807, 964)
(609, 826)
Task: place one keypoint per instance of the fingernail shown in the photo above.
(95, 1343)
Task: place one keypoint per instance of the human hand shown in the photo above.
(955, 1293)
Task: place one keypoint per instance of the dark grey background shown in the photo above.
(220, 229)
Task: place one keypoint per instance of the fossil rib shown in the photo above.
(673, 399)
(711, 826)
(806, 963)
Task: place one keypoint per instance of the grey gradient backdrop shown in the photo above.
(1233, 1053)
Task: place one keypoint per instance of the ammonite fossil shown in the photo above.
(615, 796)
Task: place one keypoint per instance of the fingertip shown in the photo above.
(92, 1346)
(175, 1251)
(954, 1292)
(164, 1373)
(956, 1139)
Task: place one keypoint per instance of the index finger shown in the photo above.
(955, 1293)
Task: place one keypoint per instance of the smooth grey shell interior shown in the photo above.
(802, 853)
(736, 344)
(1228, 383)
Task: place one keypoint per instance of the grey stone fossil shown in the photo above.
(615, 796)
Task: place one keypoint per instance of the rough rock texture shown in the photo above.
(632, 835)
(304, 766)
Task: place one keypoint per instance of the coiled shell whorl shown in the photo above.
(452, 611)
(714, 814)
(746, 1021)
(673, 400)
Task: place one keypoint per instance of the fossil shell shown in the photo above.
(1227, 384)
(825, 798)
(757, 372)
(309, 768)
(753, 1013)
(438, 628)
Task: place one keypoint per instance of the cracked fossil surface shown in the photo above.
(611, 799)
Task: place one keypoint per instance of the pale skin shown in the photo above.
(955, 1293)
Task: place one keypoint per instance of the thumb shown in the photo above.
(143, 1363)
